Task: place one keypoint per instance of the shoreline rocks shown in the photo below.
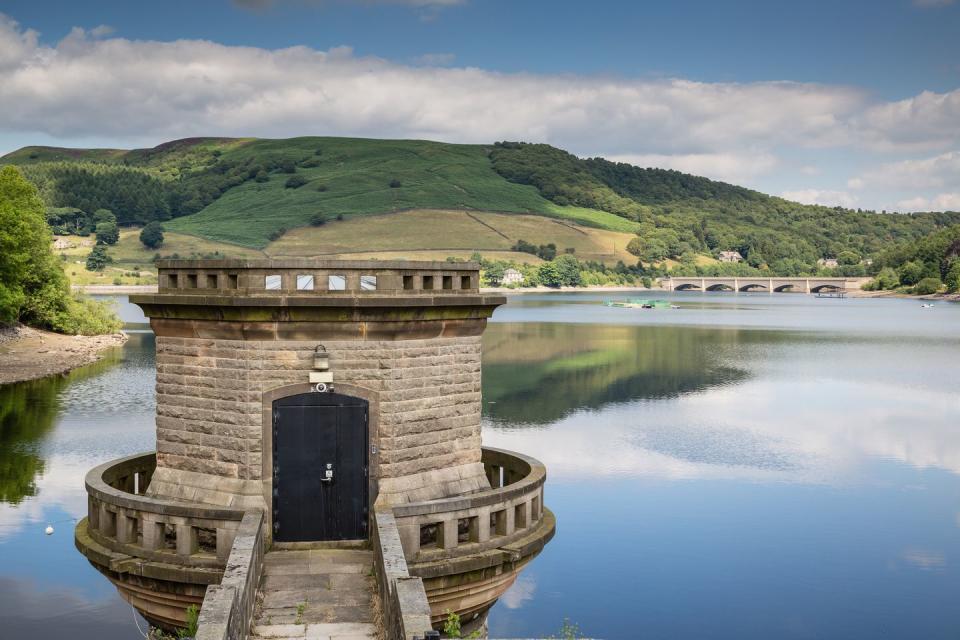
(31, 354)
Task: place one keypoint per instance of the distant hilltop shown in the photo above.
(249, 192)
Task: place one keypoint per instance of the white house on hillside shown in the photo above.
(828, 263)
(512, 276)
(730, 256)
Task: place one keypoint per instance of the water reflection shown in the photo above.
(53, 431)
(793, 473)
(537, 373)
(687, 402)
(27, 414)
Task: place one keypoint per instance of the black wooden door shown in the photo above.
(319, 467)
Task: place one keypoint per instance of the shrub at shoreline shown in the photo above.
(33, 287)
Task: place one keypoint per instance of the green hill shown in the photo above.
(249, 192)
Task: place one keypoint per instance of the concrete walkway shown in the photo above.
(319, 594)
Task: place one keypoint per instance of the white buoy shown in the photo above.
(49, 529)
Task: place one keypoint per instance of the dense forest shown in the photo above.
(681, 215)
(249, 192)
(923, 265)
(33, 287)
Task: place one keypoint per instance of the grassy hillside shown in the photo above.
(680, 214)
(263, 195)
(385, 236)
(354, 177)
(463, 233)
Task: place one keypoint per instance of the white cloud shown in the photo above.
(728, 167)
(825, 197)
(939, 202)
(935, 172)
(137, 93)
(101, 31)
(520, 592)
(122, 88)
(159, 90)
(923, 122)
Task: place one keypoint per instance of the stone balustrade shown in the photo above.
(451, 527)
(404, 607)
(304, 278)
(228, 607)
(124, 520)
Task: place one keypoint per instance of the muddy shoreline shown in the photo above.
(31, 354)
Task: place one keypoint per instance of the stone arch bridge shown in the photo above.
(796, 285)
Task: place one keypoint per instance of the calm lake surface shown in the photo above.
(746, 466)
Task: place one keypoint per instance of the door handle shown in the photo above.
(327, 474)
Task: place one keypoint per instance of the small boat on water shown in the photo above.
(634, 303)
(926, 305)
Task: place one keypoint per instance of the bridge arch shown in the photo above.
(720, 287)
(753, 287)
(825, 288)
(687, 286)
(791, 287)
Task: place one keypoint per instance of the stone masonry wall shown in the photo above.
(210, 444)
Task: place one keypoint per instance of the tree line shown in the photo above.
(679, 216)
(33, 286)
(924, 266)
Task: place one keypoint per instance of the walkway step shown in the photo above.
(316, 594)
(331, 631)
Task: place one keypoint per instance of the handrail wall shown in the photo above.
(228, 608)
(405, 609)
(450, 527)
(124, 520)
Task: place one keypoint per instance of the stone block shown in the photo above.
(153, 534)
(126, 528)
(187, 540)
(447, 534)
(107, 520)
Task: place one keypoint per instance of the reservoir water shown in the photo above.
(745, 466)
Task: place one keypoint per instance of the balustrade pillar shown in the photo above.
(480, 526)
(188, 542)
(225, 539)
(493, 476)
(409, 538)
(126, 528)
(447, 533)
(522, 515)
(509, 524)
(93, 513)
(108, 521)
(154, 534)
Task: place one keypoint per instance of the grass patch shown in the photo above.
(450, 233)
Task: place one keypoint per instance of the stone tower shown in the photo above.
(234, 336)
(306, 401)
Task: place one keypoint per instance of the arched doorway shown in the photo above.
(320, 467)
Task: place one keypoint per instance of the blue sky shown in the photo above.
(854, 103)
